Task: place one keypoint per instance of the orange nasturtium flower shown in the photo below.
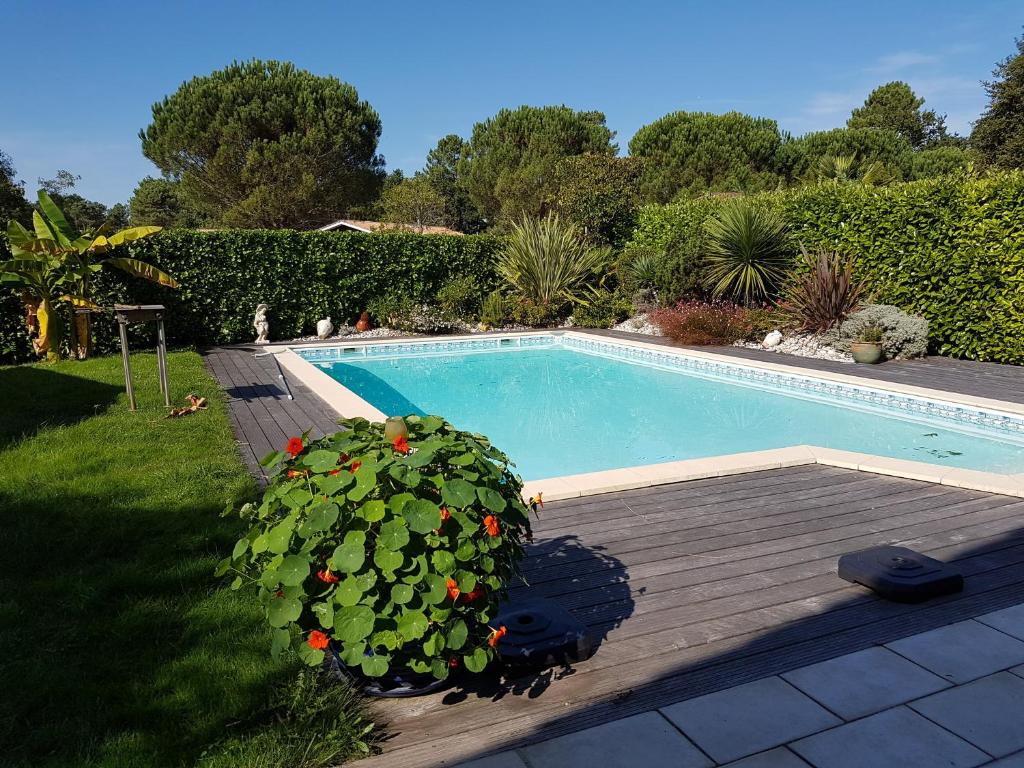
(496, 635)
(293, 473)
(327, 577)
(355, 465)
(453, 589)
(445, 514)
(401, 444)
(294, 446)
(491, 524)
(475, 594)
(317, 640)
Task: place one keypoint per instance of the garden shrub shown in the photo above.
(823, 292)
(492, 311)
(392, 554)
(303, 276)
(460, 298)
(701, 323)
(903, 335)
(401, 313)
(950, 249)
(602, 309)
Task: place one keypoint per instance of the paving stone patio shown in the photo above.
(882, 706)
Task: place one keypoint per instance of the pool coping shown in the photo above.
(348, 404)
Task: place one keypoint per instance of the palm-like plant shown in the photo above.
(746, 252)
(54, 263)
(548, 261)
(825, 293)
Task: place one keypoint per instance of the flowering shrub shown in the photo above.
(394, 553)
(695, 322)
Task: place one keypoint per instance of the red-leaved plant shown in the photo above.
(701, 323)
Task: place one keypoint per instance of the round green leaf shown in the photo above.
(477, 660)
(280, 536)
(293, 571)
(312, 656)
(393, 535)
(372, 511)
(324, 613)
(444, 562)
(466, 550)
(437, 589)
(458, 632)
(283, 610)
(320, 519)
(366, 480)
(412, 625)
(388, 560)
(353, 623)
(422, 516)
(348, 557)
(240, 549)
(439, 669)
(374, 666)
(458, 493)
(401, 593)
(491, 499)
(349, 591)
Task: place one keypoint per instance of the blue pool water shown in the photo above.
(559, 410)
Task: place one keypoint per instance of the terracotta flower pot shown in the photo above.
(364, 323)
(866, 351)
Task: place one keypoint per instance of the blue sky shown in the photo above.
(80, 76)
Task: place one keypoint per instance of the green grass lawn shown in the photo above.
(118, 647)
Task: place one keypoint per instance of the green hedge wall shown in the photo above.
(302, 276)
(950, 249)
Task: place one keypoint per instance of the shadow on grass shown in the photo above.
(37, 397)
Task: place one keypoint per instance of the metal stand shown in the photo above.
(141, 313)
(280, 372)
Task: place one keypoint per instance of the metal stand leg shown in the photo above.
(127, 364)
(161, 360)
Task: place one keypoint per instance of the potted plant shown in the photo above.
(867, 348)
(387, 547)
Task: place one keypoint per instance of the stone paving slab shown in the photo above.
(1009, 620)
(648, 740)
(896, 737)
(749, 718)
(987, 713)
(501, 760)
(961, 652)
(780, 757)
(1013, 761)
(865, 682)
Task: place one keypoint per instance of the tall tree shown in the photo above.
(998, 134)
(413, 204)
(600, 194)
(510, 163)
(159, 202)
(263, 144)
(800, 159)
(13, 204)
(895, 107)
(694, 152)
(443, 171)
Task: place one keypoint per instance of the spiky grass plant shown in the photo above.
(547, 261)
(746, 252)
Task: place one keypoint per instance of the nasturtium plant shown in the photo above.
(395, 554)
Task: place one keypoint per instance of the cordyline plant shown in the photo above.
(825, 292)
(394, 554)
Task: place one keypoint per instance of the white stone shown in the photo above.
(261, 324)
(324, 328)
(772, 340)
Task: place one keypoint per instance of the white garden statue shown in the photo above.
(324, 328)
(261, 324)
(772, 340)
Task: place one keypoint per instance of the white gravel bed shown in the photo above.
(802, 345)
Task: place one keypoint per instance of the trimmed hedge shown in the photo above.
(950, 249)
(302, 276)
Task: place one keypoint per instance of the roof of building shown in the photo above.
(357, 225)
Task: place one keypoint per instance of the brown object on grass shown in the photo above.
(196, 403)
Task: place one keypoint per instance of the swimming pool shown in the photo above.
(567, 404)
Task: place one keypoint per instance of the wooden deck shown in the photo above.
(698, 586)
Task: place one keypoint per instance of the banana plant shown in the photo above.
(55, 263)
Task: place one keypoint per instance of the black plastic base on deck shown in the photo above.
(900, 574)
(540, 633)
